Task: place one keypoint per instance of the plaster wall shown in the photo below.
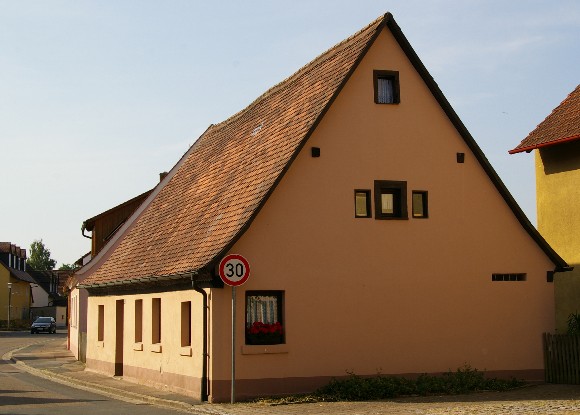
(39, 296)
(73, 324)
(20, 298)
(390, 296)
(558, 198)
(78, 322)
(166, 364)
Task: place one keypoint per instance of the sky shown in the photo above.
(98, 97)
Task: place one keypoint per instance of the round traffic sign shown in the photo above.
(234, 270)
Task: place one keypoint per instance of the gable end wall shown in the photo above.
(398, 296)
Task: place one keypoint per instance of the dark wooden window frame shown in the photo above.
(101, 323)
(279, 294)
(515, 276)
(393, 76)
(367, 192)
(425, 201)
(138, 321)
(185, 323)
(156, 320)
(399, 191)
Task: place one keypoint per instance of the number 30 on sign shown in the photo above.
(234, 270)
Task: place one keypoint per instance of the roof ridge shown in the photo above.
(309, 66)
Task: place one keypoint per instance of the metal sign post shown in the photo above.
(234, 270)
(233, 383)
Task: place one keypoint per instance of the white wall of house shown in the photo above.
(40, 297)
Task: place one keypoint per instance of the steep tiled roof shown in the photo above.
(212, 194)
(220, 183)
(562, 125)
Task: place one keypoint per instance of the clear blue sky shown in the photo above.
(97, 98)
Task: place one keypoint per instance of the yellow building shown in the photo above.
(557, 144)
(14, 285)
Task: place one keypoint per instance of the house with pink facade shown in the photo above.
(378, 235)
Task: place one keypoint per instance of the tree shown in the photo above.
(39, 258)
(68, 267)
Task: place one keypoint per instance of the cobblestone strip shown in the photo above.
(524, 407)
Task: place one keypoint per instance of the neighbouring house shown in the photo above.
(15, 290)
(49, 295)
(557, 158)
(102, 228)
(378, 235)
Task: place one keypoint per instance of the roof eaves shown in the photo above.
(141, 280)
(542, 145)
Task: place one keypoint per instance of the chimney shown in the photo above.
(162, 175)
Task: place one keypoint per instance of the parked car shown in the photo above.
(46, 324)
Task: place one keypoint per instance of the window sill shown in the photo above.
(138, 346)
(156, 348)
(265, 349)
(185, 351)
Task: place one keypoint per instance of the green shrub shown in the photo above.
(463, 380)
(574, 323)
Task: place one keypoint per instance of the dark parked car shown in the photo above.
(46, 324)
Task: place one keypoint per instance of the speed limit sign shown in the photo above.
(234, 270)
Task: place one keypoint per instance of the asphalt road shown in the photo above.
(23, 393)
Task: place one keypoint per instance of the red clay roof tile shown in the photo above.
(562, 125)
(219, 184)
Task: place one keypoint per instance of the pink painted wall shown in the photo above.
(390, 296)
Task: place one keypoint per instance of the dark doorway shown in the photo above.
(120, 314)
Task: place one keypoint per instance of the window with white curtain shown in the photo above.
(264, 317)
(386, 87)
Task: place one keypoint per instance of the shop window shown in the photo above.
(264, 317)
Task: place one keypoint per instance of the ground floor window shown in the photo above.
(101, 323)
(186, 323)
(156, 321)
(264, 317)
(138, 321)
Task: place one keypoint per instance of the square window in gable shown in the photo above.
(420, 206)
(386, 87)
(362, 203)
(390, 199)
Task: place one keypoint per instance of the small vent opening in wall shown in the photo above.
(508, 277)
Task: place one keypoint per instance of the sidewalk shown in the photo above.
(51, 360)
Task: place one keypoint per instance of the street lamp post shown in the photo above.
(9, 302)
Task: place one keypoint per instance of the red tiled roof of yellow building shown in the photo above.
(562, 125)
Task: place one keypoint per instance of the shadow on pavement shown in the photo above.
(19, 400)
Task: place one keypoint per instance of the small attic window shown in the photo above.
(257, 129)
(386, 87)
